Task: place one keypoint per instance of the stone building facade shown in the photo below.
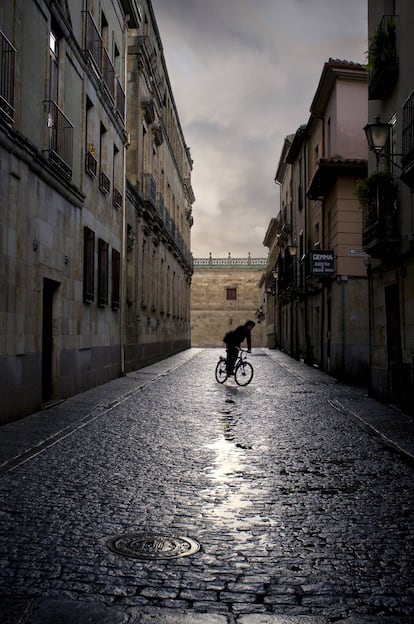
(388, 229)
(71, 222)
(226, 292)
(159, 198)
(319, 292)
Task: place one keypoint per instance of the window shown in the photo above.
(108, 72)
(116, 272)
(54, 67)
(102, 272)
(91, 164)
(231, 294)
(59, 145)
(88, 265)
(104, 181)
(116, 195)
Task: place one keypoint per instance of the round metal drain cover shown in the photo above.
(143, 546)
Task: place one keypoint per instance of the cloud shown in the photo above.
(243, 75)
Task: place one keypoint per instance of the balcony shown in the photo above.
(7, 62)
(383, 59)
(100, 62)
(91, 164)
(381, 239)
(93, 41)
(148, 105)
(117, 199)
(120, 100)
(108, 74)
(407, 160)
(104, 183)
(60, 139)
(378, 197)
(157, 134)
(149, 194)
(286, 275)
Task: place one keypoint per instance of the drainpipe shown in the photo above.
(122, 298)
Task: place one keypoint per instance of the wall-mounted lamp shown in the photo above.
(293, 250)
(377, 135)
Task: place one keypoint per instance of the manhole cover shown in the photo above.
(142, 546)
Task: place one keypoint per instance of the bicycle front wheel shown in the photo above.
(221, 371)
(243, 373)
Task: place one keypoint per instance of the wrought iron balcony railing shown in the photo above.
(91, 164)
(108, 73)
(60, 138)
(117, 199)
(93, 41)
(7, 64)
(380, 238)
(408, 129)
(120, 100)
(378, 196)
(407, 160)
(104, 183)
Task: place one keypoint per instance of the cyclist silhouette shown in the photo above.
(233, 340)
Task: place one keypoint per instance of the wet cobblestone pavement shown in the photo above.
(302, 515)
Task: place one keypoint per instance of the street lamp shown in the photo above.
(293, 250)
(377, 134)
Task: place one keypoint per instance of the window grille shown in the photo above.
(104, 183)
(116, 272)
(102, 272)
(60, 139)
(88, 265)
(91, 164)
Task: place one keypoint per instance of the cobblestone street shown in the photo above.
(300, 512)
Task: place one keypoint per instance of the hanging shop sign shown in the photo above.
(322, 262)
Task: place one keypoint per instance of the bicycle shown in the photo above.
(243, 370)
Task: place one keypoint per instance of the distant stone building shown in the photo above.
(225, 293)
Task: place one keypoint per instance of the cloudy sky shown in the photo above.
(243, 74)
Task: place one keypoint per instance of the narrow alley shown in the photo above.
(166, 497)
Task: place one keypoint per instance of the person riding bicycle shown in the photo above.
(233, 340)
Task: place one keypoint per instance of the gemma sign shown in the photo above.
(322, 262)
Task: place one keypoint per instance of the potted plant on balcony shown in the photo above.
(383, 62)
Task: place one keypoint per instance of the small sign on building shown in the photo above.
(322, 262)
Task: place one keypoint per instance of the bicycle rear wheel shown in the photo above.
(243, 373)
(221, 370)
